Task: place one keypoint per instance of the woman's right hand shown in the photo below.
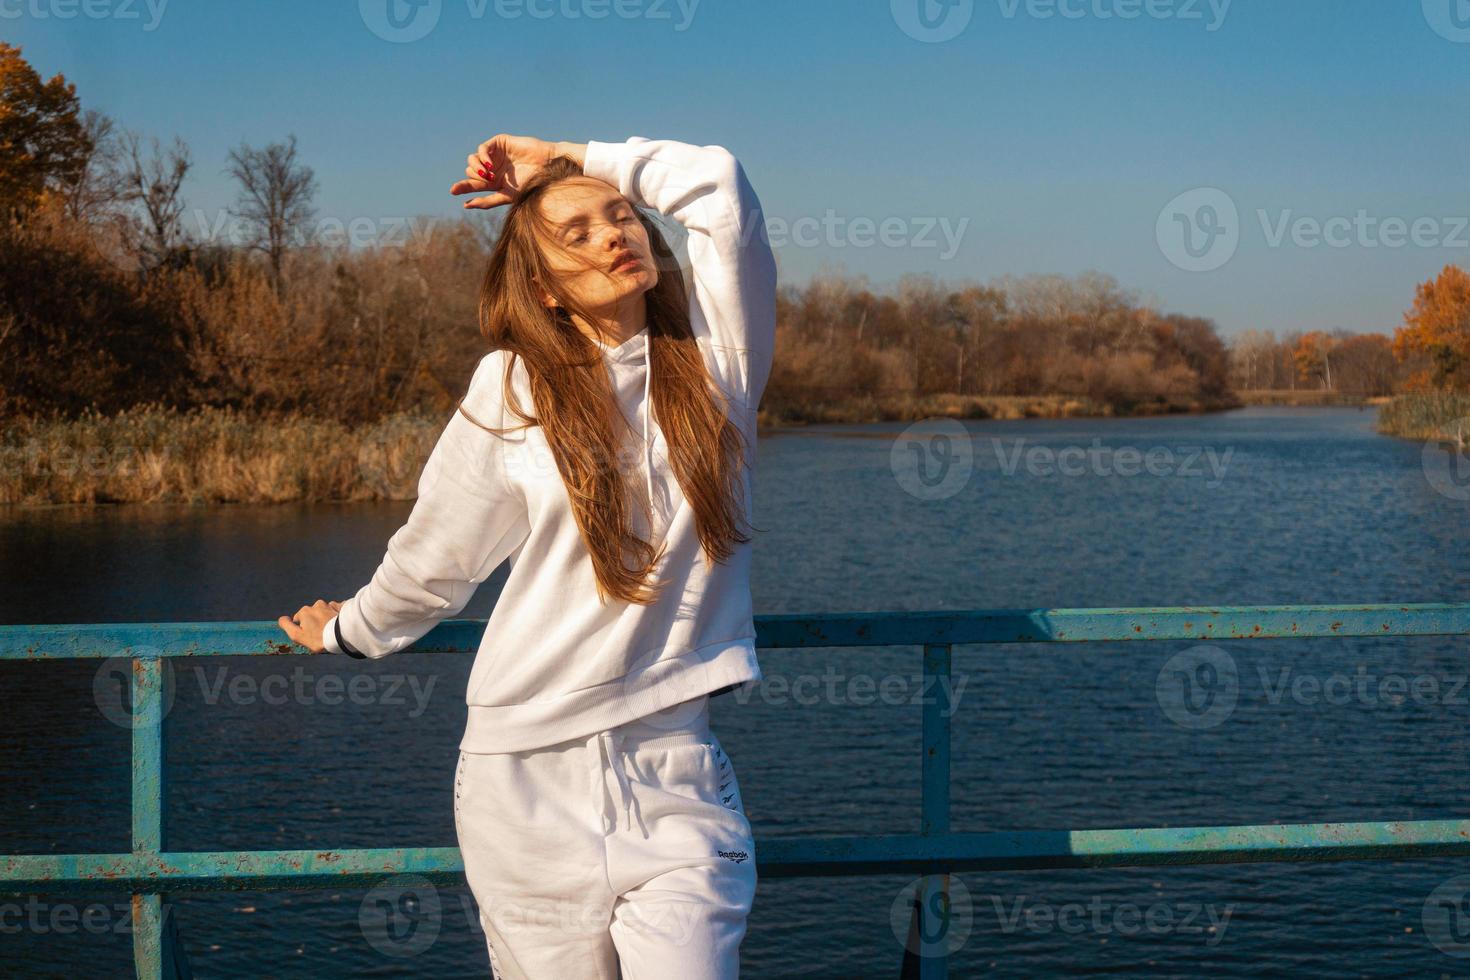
(502, 165)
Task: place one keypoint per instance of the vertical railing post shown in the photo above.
(926, 954)
(157, 954)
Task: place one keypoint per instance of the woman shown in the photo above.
(603, 447)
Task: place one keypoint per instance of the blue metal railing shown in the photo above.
(151, 871)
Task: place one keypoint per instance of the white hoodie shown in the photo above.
(554, 663)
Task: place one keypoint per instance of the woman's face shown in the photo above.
(593, 226)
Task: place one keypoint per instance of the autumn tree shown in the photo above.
(43, 144)
(1313, 357)
(1438, 325)
(153, 185)
(98, 186)
(275, 200)
(1365, 364)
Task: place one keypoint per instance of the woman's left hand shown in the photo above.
(306, 626)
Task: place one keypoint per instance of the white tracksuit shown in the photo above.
(628, 846)
(598, 816)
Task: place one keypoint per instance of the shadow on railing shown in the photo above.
(151, 870)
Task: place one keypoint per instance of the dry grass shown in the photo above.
(208, 455)
(908, 408)
(1306, 397)
(1427, 415)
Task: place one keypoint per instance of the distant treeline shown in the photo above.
(115, 294)
(1040, 335)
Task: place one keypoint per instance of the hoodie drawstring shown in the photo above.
(647, 411)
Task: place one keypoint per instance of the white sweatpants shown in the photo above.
(626, 849)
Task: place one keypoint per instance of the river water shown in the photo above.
(1266, 505)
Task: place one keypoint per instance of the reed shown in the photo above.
(210, 455)
(1427, 415)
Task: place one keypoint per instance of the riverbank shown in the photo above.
(1306, 398)
(208, 456)
(1427, 415)
(781, 414)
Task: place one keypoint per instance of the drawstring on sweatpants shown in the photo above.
(610, 744)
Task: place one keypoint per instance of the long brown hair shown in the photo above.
(578, 410)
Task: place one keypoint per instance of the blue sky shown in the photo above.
(1010, 137)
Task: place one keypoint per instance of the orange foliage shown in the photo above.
(1439, 325)
(1311, 357)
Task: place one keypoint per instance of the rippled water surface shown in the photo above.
(1254, 506)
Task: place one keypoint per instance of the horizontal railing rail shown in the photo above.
(152, 871)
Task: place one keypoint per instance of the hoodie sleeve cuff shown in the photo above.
(332, 639)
